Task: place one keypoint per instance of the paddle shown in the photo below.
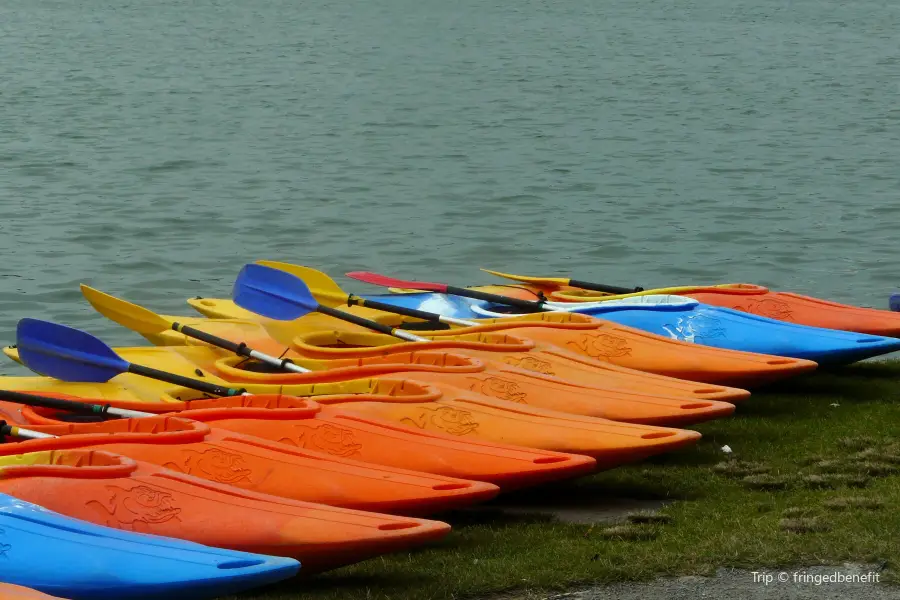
(69, 405)
(384, 281)
(7, 430)
(326, 291)
(70, 354)
(279, 295)
(557, 281)
(145, 321)
(894, 302)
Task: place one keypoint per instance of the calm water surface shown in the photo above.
(152, 148)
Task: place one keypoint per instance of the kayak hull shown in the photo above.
(307, 424)
(115, 491)
(262, 466)
(494, 349)
(444, 370)
(687, 320)
(9, 591)
(82, 561)
(601, 341)
(749, 298)
(463, 415)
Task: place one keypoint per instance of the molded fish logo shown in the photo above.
(530, 363)
(500, 388)
(603, 346)
(693, 328)
(328, 438)
(769, 307)
(445, 418)
(140, 504)
(215, 464)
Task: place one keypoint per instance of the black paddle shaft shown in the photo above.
(56, 403)
(599, 287)
(526, 304)
(356, 320)
(239, 349)
(200, 386)
(399, 310)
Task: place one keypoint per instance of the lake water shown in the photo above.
(152, 148)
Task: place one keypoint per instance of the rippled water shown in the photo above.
(151, 148)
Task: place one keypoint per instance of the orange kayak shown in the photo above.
(116, 491)
(594, 340)
(17, 592)
(753, 299)
(443, 370)
(306, 424)
(496, 350)
(250, 463)
(424, 407)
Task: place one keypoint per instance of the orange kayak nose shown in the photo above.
(306, 424)
(466, 416)
(610, 443)
(262, 466)
(503, 349)
(116, 491)
(9, 591)
(761, 301)
(797, 308)
(609, 342)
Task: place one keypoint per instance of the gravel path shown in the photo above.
(730, 584)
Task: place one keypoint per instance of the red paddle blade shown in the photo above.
(384, 281)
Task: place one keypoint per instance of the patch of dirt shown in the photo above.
(733, 584)
(612, 510)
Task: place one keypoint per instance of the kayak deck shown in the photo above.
(83, 561)
(262, 466)
(306, 424)
(116, 491)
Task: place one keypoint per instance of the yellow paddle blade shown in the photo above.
(323, 288)
(581, 295)
(554, 281)
(13, 353)
(136, 318)
(313, 278)
(394, 290)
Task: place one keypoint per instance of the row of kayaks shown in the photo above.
(295, 428)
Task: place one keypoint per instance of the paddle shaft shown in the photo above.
(373, 325)
(200, 386)
(14, 431)
(68, 405)
(599, 287)
(409, 312)
(526, 304)
(241, 349)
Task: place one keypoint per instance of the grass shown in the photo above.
(807, 483)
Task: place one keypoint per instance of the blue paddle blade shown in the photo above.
(272, 293)
(65, 353)
(895, 302)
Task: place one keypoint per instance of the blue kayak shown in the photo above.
(65, 557)
(685, 319)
